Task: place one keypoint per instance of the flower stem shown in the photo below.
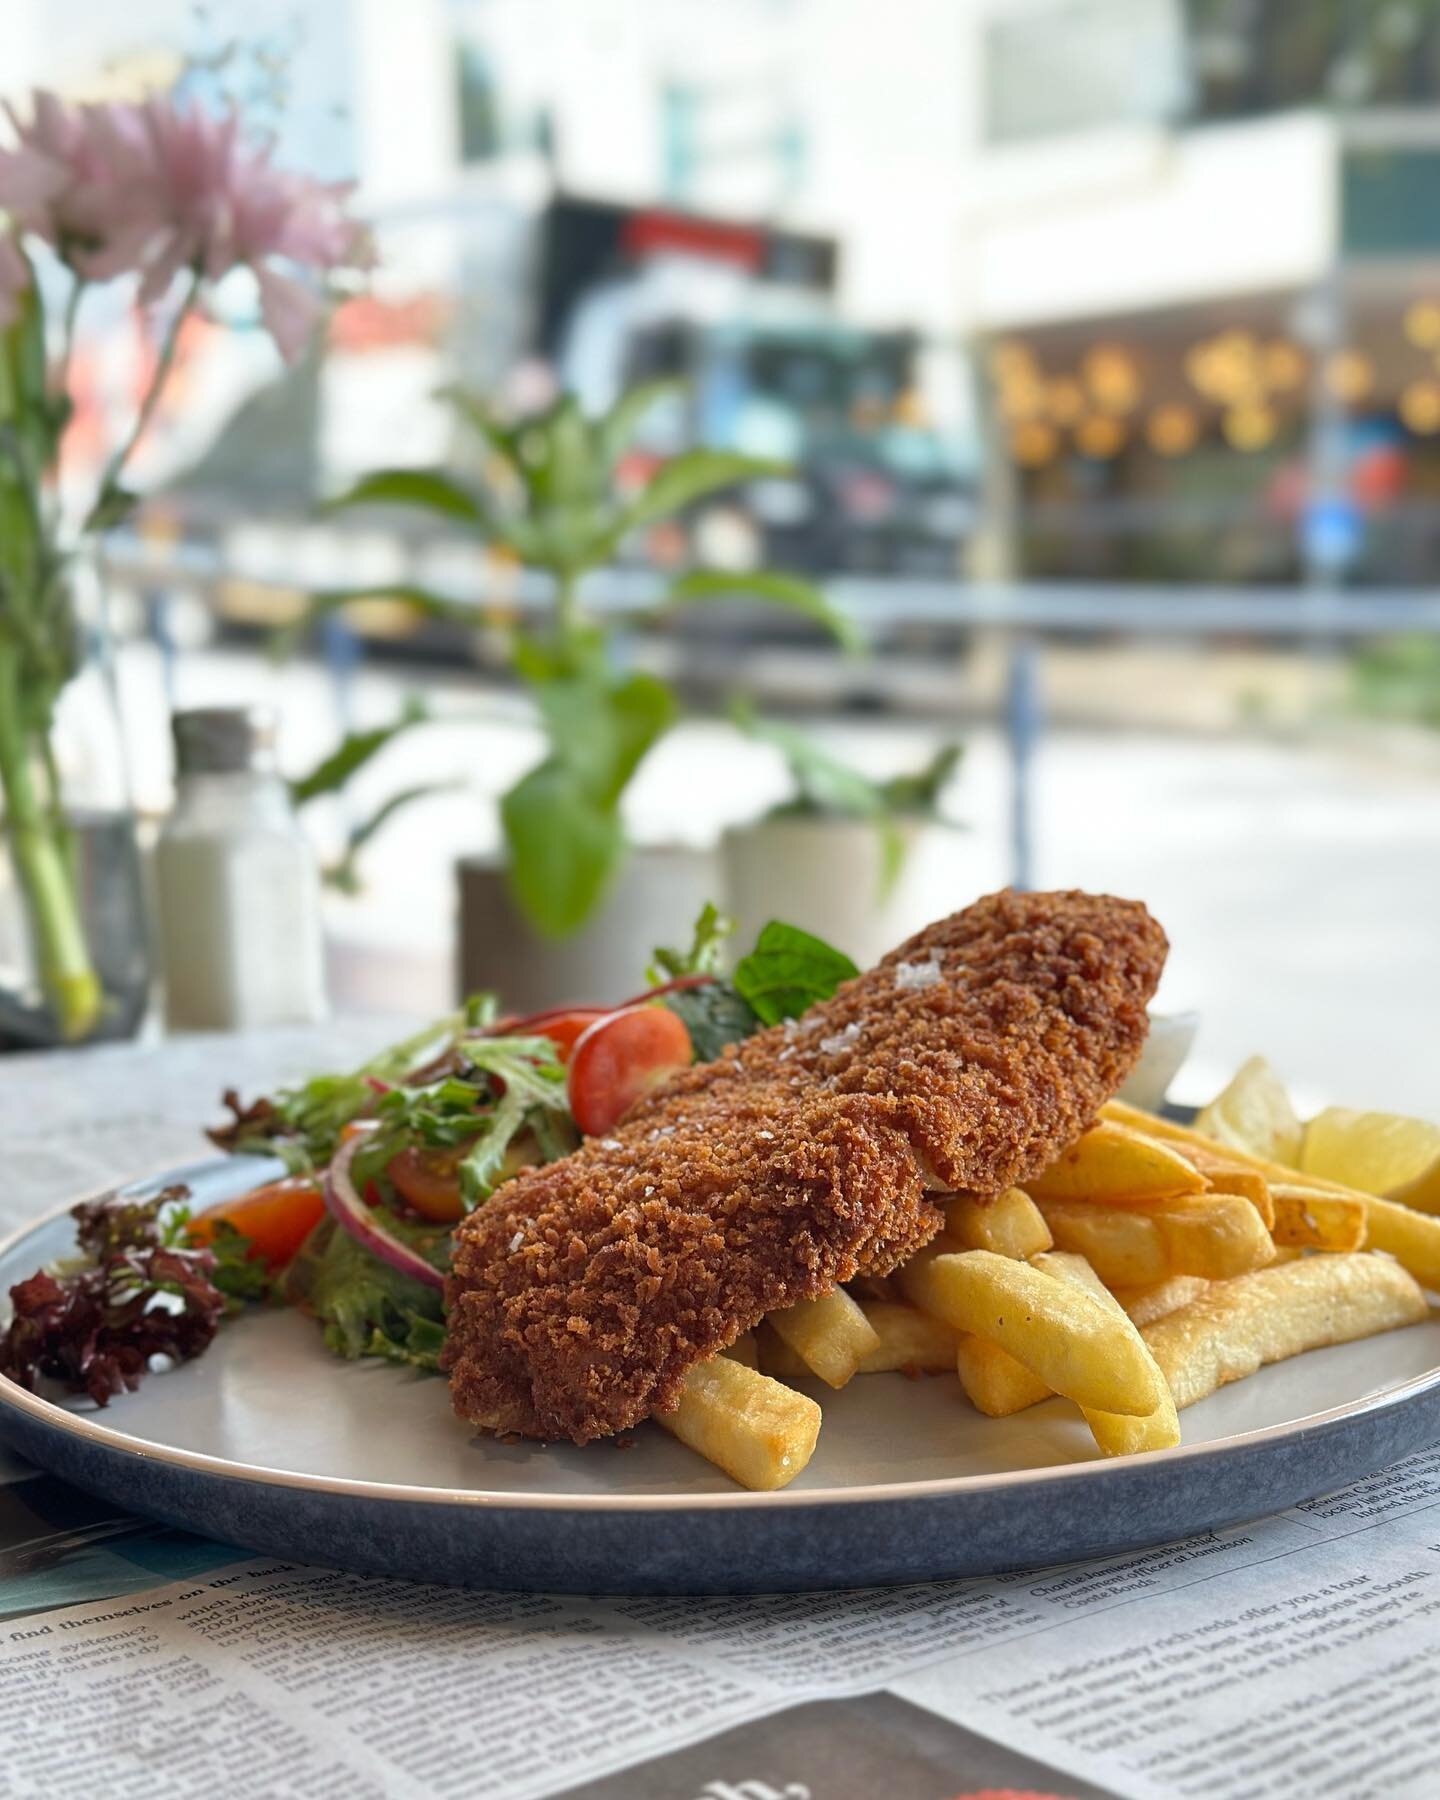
(67, 975)
(110, 480)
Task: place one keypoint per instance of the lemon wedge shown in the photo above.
(1379, 1153)
(1254, 1113)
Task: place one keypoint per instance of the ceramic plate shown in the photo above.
(270, 1443)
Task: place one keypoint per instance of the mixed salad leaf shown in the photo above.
(135, 1295)
(382, 1163)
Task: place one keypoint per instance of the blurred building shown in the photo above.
(1203, 255)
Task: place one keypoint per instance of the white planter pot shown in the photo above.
(824, 875)
(654, 901)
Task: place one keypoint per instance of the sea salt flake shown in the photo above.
(911, 976)
(840, 1040)
(649, 1187)
(765, 1134)
(610, 1144)
(788, 1051)
(516, 1241)
(789, 1027)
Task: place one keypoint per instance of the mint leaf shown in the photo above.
(788, 971)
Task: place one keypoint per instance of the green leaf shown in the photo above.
(824, 784)
(707, 942)
(114, 505)
(771, 585)
(366, 1307)
(558, 458)
(918, 795)
(352, 754)
(714, 1015)
(564, 846)
(615, 430)
(788, 971)
(431, 489)
(498, 437)
(689, 477)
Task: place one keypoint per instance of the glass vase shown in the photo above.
(74, 942)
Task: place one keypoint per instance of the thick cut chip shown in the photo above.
(1238, 1326)
(1065, 1337)
(1115, 1164)
(1116, 1434)
(910, 1341)
(994, 1383)
(1156, 1299)
(1379, 1153)
(760, 1432)
(1253, 1113)
(830, 1335)
(1227, 1176)
(1412, 1238)
(1315, 1220)
(1214, 1235)
(1011, 1224)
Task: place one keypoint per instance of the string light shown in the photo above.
(1111, 378)
(1100, 436)
(1420, 407)
(1248, 427)
(1064, 400)
(1034, 444)
(1422, 324)
(1172, 430)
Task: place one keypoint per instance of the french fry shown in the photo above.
(1116, 1434)
(1226, 1176)
(994, 1383)
(775, 1357)
(1011, 1224)
(1412, 1238)
(1214, 1235)
(760, 1432)
(1067, 1338)
(1113, 1163)
(1238, 1326)
(1157, 1298)
(829, 1335)
(909, 1340)
(744, 1350)
(1315, 1221)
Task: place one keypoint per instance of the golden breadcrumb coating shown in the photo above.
(581, 1292)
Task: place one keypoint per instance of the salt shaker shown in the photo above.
(238, 886)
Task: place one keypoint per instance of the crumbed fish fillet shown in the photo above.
(582, 1292)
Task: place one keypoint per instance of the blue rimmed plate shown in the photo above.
(270, 1443)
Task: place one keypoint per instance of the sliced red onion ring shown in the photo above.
(352, 1215)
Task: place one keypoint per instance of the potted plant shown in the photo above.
(549, 499)
(171, 200)
(855, 858)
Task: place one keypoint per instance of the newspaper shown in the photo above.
(1297, 1656)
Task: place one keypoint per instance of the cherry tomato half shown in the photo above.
(565, 1030)
(620, 1058)
(276, 1218)
(429, 1181)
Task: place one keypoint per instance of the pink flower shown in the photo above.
(156, 189)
